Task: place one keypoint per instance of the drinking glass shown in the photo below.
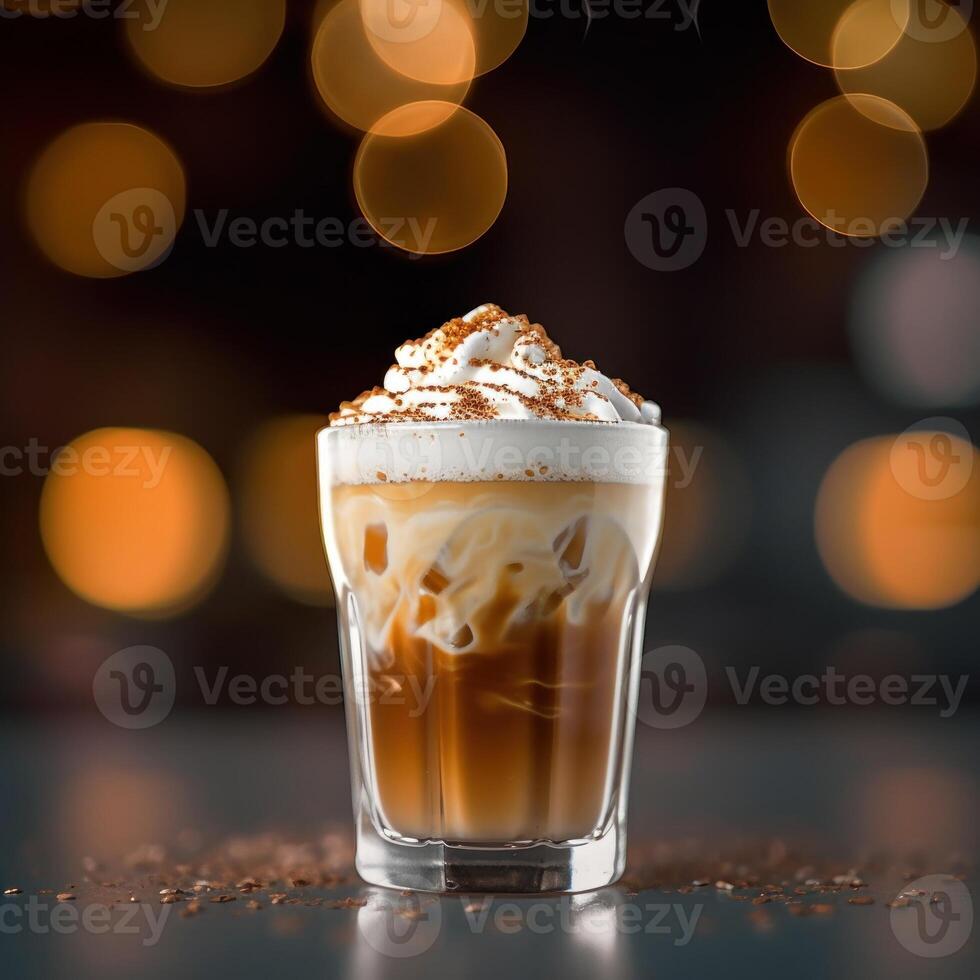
(491, 581)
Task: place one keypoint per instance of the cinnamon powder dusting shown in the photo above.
(560, 386)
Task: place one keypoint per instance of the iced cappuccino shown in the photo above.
(491, 517)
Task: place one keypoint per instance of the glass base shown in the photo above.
(530, 869)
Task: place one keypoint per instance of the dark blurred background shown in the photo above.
(754, 352)
(823, 503)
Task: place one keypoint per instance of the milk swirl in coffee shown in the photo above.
(491, 604)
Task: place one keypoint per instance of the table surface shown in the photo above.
(791, 797)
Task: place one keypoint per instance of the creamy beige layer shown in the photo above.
(494, 620)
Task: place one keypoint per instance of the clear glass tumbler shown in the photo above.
(491, 581)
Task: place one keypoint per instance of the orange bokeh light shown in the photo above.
(279, 510)
(930, 78)
(498, 31)
(431, 41)
(841, 33)
(203, 43)
(135, 520)
(436, 191)
(898, 523)
(858, 164)
(360, 88)
(105, 199)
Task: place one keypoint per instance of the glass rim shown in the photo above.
(592, 425)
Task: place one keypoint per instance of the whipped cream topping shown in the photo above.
(491, 365)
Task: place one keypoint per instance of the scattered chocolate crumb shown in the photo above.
(191, 909)
(861, 900)
(253, 905)
(13, 891)
(223, 898)
(169, 899)
(66, 897)
(346, 903)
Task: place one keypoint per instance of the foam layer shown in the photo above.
(464, 452)
(489, 365)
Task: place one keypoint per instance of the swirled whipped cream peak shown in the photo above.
(490, 365)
